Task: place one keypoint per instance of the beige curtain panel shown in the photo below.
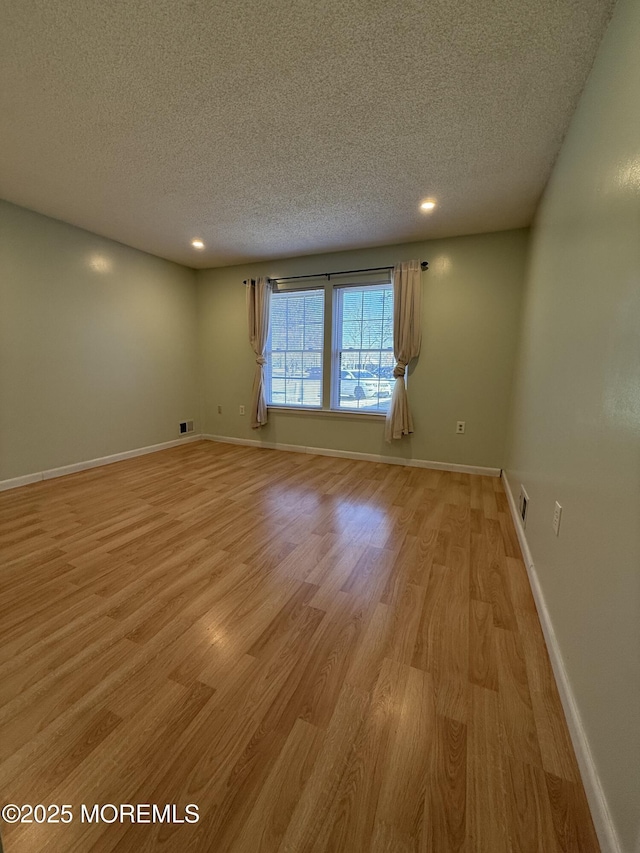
(407, 336)
(258, 300)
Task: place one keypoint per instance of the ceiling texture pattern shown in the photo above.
(272, 128)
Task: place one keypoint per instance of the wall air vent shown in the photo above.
(185, 427)
(523, 505)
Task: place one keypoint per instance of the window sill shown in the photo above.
(330, 413)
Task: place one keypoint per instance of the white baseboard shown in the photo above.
(365, 457)
(605, 829)
(16, 482)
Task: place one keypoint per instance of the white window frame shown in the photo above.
(330, 402)
(336, 351)
(299, 406)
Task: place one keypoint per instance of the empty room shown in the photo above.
(319, 426)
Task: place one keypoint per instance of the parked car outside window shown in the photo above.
(361, 383)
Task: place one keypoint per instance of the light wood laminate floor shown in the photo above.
(321, 654)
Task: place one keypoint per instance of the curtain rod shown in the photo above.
(424, 265)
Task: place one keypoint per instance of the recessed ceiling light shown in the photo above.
(427, 205)
(197, 244)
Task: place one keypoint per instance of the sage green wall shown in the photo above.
(471, 303)
(97, 345)
(575, 429)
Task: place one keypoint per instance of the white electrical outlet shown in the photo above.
(460, 427)
(557, 515)
(242, 410)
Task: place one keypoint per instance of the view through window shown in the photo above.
(363, 368)
(295, 347)
(361, 365)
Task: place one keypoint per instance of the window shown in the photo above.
(363, 358)
(295, 348)
(356, 373)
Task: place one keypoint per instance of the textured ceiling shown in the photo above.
(273, 128)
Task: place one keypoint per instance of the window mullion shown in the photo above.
(327, 355)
